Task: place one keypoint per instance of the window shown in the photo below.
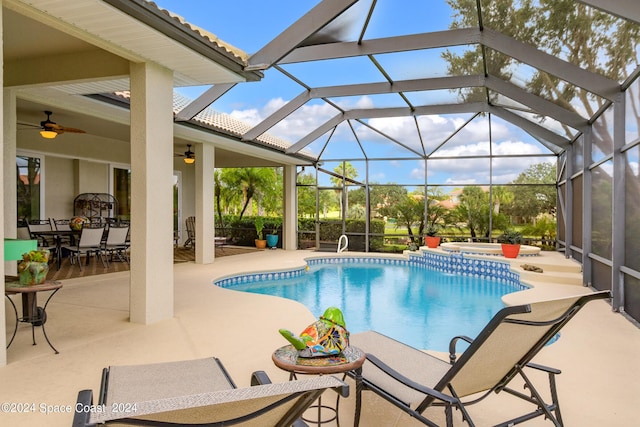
(29, 187)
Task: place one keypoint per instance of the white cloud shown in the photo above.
(250, 116)
(515, 147)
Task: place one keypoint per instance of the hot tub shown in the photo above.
(486, 248)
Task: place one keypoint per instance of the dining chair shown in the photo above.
(44, 242)
(63, 224)
(90, 242)
(23, 233)
(117, 243)
(36, 225)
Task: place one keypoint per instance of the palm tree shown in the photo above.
(251, 181)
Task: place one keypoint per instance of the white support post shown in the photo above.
(151, 287)
(290, 209)
(3, 171)
(205, 212)
(618, 207)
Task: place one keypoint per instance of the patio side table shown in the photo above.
(351, 359)
(31, 313)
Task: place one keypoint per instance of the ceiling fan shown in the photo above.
(189, 156)
(50, 129)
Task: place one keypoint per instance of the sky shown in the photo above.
(251, 24)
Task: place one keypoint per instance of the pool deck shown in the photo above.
(88, 322)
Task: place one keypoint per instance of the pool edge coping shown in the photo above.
(230, 280)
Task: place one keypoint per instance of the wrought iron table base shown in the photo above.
(33, 314)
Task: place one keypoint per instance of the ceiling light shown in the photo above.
(49, 134)
(189, 156)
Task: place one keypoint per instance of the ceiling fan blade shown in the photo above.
(70, 130)
(53, 126)
(28, 126)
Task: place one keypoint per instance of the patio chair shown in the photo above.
(116, 243)
(198, 392)
(415, 381)
(44, 242)
(63, 224)
(38, 225)
(90, 242)
(191, 232)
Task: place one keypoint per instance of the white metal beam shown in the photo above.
(309, 24)
(628, 9)
(542, 134)
(405, 43)
(523, 52)
(542, 106)
(272, 52)
(573, 74)
(276, 117)
(361, 89)
(203, 101)
(384, 112)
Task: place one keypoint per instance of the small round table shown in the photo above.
(350, 360)
(31, 313)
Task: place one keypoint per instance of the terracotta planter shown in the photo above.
(261, 244)
(510, 251)
(432, 241)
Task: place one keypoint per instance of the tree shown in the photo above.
(250, 183)
(436, 213)
(217, 191)
(501, 195)
(344, 170)
(409, 212)
(306, 195)
(529, 201)
(581, 35)
(474, 210)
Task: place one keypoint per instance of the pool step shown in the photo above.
(548, 263)
(556, 269)
(551, 277)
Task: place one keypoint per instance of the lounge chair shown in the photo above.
(191, 232)
(199, 392)
(414, 380)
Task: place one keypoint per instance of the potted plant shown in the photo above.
(432, 240)
(272, 238)
(259, 224)
(33, 268)
(510, 240)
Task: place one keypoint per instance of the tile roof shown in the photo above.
(221, 122)
(206, 35)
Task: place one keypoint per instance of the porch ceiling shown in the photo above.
(55, 52)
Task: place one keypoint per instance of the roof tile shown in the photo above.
(208, 36)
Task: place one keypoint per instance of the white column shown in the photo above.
(151, 287)
(205, 212)
(3, 332)
(290, 214)
(9, 152)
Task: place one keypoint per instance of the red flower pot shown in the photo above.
(510, 251)
(432, 241)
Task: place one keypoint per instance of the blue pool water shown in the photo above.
(418, 306)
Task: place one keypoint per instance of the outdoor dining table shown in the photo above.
(57, 235)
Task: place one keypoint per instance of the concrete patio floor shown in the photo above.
(88, 323)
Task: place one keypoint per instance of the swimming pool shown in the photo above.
(422, 307)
